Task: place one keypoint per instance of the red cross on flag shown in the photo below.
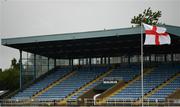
(156, 35)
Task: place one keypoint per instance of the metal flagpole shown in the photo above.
(142, 82)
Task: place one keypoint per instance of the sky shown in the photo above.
(23, 18)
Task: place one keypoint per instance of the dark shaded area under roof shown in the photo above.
(115, 42)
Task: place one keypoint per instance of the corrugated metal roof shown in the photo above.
(83, 35)
(71, 36)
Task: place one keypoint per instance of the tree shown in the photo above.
(9, 78)
(14, 64)
(148, 17)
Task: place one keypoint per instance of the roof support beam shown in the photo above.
(20, 70)
(35, 67)
(55, 63)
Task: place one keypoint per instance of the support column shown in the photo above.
(128, 60)
(172, 58)
(90, 63)
(101, 60)
(105, 62)
(150, 58)
(54, 63)
(155, 57)
(96, 61)
(79, 61)
(86, 61)
(109, 62)
(69, 62)
(72, 64)
(165, 57)
(48, 63)
(121, 59)
(83, 61)
(20, 70)
(34, 67)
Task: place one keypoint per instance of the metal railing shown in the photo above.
(91, 102)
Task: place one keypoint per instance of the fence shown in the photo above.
(91, 102)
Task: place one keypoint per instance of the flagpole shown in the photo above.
(142, 82)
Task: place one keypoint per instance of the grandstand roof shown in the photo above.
(114, 42)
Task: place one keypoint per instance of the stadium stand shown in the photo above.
(156, 77)
(35, 88)
(89, 56)
(72, 84)
(126, 73)
(75, 97)
(163, 93)
(86, 74)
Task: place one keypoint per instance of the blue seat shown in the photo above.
(36, 87)
(73, 83)
(152, 80)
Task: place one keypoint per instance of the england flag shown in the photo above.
(156, 35)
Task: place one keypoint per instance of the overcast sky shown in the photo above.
(22, 18)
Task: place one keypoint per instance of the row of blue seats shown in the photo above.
(71, 84)
(151, 81)
(35, 88)
(167, 90)
(125, 72)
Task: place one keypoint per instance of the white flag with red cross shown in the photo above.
(156, 35)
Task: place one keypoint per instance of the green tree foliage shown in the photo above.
(13, 62)
(148, 17)
(9, 78)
